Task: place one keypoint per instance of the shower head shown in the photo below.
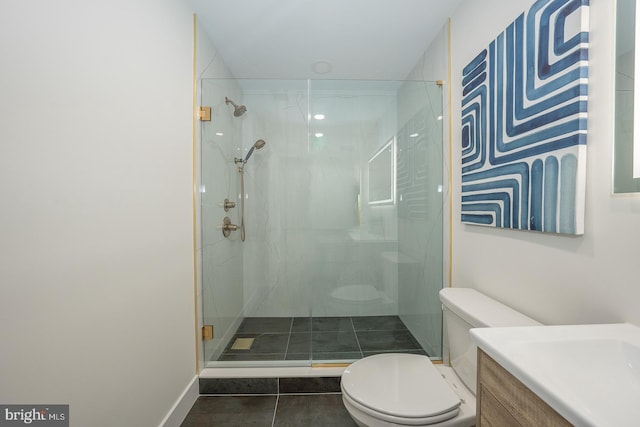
(238, 109)
(257, 145)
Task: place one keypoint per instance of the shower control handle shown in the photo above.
(227, 227)
(228, 205)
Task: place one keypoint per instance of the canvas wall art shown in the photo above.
(524, 123)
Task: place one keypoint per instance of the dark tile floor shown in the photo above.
(284, 410)
(269, 402)
(321, 338)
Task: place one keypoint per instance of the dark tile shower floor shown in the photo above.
(325, 338)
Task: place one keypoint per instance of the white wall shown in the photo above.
(96, 262)
(555, 279)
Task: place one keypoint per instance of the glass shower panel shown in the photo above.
(248, 295)
(343, 220)
(351, 123)
(374, 236)
(421, 209)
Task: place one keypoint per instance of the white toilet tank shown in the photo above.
(464, 309)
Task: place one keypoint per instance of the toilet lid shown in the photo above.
(400, 385)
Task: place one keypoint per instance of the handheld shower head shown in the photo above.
(257, 145)
(240, 162)
(238, 109)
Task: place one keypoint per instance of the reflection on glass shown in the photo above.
(382, 177)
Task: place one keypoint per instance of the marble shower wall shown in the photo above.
(305, 227)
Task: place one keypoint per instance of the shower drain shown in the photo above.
(242, 344)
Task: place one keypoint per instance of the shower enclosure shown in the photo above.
(343, 213)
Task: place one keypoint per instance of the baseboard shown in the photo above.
(183, 405)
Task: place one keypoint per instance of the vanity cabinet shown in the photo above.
(502, 400)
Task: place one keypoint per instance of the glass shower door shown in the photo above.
(250, 295)
(221, 257)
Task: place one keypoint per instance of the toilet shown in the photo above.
(409, 390)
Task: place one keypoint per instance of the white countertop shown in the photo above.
(590, 374)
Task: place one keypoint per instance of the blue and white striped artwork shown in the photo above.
(524, 123)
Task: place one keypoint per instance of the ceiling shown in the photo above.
(322, 39)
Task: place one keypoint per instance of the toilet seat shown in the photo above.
(395, 420)
(399, 388)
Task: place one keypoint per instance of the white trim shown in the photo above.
(183, 405)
